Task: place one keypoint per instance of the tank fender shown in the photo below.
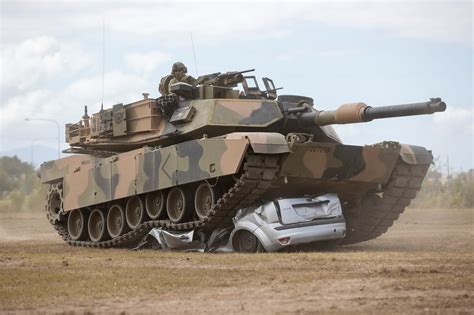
(413, 154)
(54, 171)
(263, 142)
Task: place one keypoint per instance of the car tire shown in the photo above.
(246, 242)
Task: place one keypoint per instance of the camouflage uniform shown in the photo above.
(178, 72)
(186, 79)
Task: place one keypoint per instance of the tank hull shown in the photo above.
(247, 168)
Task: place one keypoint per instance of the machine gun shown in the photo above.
(227, 79)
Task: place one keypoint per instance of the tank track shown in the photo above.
(259, 172)
(375, 214)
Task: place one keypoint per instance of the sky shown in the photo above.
(381, 53)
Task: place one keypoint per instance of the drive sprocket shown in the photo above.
(54, 203)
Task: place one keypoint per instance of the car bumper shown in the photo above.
(301, 233)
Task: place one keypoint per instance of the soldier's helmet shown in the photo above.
(178, 66)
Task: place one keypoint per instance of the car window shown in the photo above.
(269, 213)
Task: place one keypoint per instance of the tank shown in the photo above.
(193, 157)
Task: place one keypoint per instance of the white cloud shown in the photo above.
(118, 88)
(66, 105)
(145, 63)
(170, 22)
(440, 21)
(216, 21)
(22, 106)
(37, 60)
(302, 53)
(68, 102)
(444, 21)
(456, 117)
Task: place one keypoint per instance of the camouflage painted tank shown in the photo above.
(191, 158)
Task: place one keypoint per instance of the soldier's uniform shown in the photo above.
(186, 79)
(178, 71)
(169, 101)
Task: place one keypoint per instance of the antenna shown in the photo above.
(194, 54)
(103, 62)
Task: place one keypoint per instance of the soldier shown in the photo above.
(169, 101)
(178, 71)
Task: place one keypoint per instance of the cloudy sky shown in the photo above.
(381, 53)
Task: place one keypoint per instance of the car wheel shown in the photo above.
(248, 243)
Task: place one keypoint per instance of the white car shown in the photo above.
(284, 222)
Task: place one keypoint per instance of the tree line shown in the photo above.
(20, 186)
(456, 191)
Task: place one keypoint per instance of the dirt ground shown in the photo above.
(424, 264)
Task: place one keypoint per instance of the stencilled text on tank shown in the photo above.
(320, 149)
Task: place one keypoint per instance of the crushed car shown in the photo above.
(270, 227)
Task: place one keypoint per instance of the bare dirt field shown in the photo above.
(424, 264)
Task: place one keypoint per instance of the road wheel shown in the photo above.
(116, 222)
(246, 242)
(77, 225)
(135, 212)
(155, 204)
(204, 198)
(178, 204)
(97, 226)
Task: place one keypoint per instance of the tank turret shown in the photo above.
(191, 111)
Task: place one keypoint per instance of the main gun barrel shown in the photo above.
(433, 106)
(360, 112)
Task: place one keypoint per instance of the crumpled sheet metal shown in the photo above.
(184, 241)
